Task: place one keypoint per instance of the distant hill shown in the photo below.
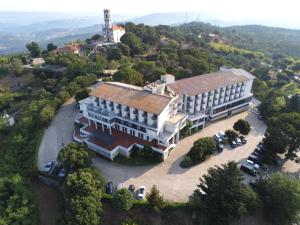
(267, 39)
(17, 29)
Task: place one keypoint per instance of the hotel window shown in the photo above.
(141, 135)
(132, 132)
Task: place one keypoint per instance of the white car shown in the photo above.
(238, 141)
(251, 163)
(221, 134)
(49, 166)
(141, 192)
(120, 186)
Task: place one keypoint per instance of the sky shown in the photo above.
(280, 11)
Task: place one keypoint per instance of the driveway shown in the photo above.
(58, 134)
(174, 182)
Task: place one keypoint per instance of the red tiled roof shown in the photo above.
(116, 27)
(120, 139)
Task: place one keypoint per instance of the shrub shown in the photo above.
(231, 134)
(122, 199)
(242, 126)
(202, 148)
(186, 162)
(154, 198)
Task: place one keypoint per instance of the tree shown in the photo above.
(186, 131)
(201, 149)
(242, 126)
(231, 134)
(16, 206)
(47, 114)
(82, 94)
(134, 43)
(75, 156)
(294, 103)
(129, 76)
(154, 198)
(222, 196)
(83, 190)
(114, 54)
(280, 195)
(284, 133)
(122, 199)
(51, 47)
(34, 49)
(150, 71)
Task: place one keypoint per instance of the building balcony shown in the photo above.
(97, 110)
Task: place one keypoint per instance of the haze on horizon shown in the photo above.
(282, 13)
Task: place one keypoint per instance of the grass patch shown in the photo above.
(136, 160)
(36, 144)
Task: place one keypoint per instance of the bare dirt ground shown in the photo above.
(48, 200)
(174, 182)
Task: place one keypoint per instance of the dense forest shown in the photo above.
(143, 55)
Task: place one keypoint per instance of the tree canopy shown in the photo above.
(83, 190)
(75, 156)
(201, 149)
(280, 195)
(222, 197)
(34, 49)
(129, 76)
(122, 199)
(242, 126)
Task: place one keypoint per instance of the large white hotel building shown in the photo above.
(118, 116)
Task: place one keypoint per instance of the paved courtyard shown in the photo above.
(174, 182)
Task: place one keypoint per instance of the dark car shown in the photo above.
(131, 188)
(253, 183)
(255, 159)
(256, 153)
(243, 139)
(62, 173)
(233, 144)
(109, 188)
(248, 169)
(220, 147)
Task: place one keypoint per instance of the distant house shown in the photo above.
(72, 48)
(37, 61)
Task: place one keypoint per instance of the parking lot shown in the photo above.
(174, 182)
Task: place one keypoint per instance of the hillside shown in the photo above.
(263, 38)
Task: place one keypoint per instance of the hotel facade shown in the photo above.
(116, 116)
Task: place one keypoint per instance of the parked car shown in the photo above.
(141, 192)
(218, 138)
(255, 159)
(221, 134)
(248, 169)
(61, 173)
(238, 141)
(243, 140)
(109, 188)
(253, 183)
(220, 147)
(259, 151)
(131, 188)
(233, 144)
(120, 186)
(251, 163)
(48, 167)
(256, 153)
